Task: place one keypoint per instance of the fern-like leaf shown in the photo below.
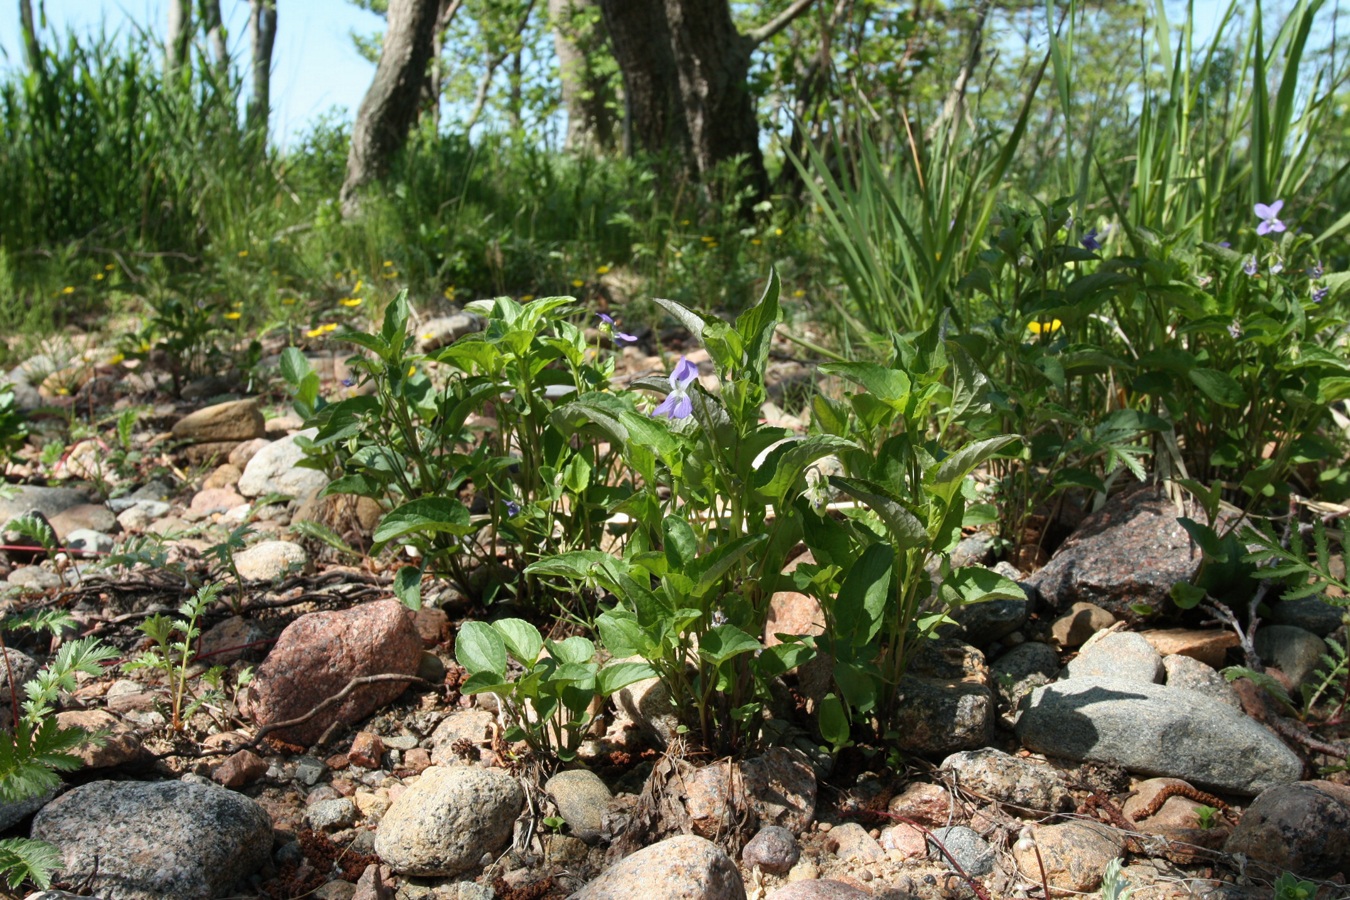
(24, 859)
(30, 758)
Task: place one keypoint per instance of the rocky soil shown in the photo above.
(1042, 742)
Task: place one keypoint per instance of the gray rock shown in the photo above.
(678, 868)
(471, 725)
(267, 560)
(647, 703)
(1119, 654)
(972, 852)
(1193, 675)
(1023, 669)
(236, 420)
(12, 814)
(275, 469)
(23, 667)
(1153, 729)
(993, 620)
(447, 819)
(91, 516)
(1295, 652)
(1302, 828)
(152, 508)
(35, 578)
(330, 815)
(156, 841)
(945, 702)
(1309, 613)
(49, 501)
(773, 848)
(1022, 783)
(139, 515)
(582, 798)
(309, 770)
(1129, 552)
(778, 788)
(88, 543)
(58, 895)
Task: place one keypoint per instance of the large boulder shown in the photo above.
(1154, 729)
(678, 868)
(130, 840)
(317, 656)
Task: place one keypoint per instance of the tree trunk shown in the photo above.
(262, 31)
(640, 37)
(32, 50)
(586, 95)
(390, 106)
(209, 12)
(684, 69)
(178, 43)
(431, 88)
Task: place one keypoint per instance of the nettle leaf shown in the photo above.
(430, 515)
(480, 648)
(522, 639)
(725, 642)
(1218, 386)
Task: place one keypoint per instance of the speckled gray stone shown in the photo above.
(582, 798)
(1119, 654)
(447, 819)
(970, 851)
(678, 868)
(1154, 729)
(130, 840)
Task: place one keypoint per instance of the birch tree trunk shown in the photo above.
(578, 33)
(32, 50)
(213, 27)
(178, 41)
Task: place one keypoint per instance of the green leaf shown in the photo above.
(1218, 386)
(617, 676)
(834, 722)
(1204, 536)
(681, 544)
(25, 859)
(622, 635)
(575, 650)
(479, 648)
(408, 587)
(1186, 595)
(724, 642)
(955, 468)
(395, 328)
(430, 515)
(975, 584)
(783, 465)
(521, 638)
(861, 603)
(891, 386)
(708, 570)
(756, 325)
(904, 527)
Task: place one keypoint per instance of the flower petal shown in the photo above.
(1276, 207)
(684, 407)
(1262, 211)
(685, 373)
(606, 318)
(624, 337)
(667, 407)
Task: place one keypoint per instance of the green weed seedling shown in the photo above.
(171, 653)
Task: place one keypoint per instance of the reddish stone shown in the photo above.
(432, 624)
(417, 760)
(367, 750)
(319, 654)
(240, 769)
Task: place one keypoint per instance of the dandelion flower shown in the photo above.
(98, 276)
(315, 332)
(232, 315)
(328, 327)
(527, 298)
(243, 253)
(1045, 327)
(602, 270)
(350, 302)
(67, 290)
(388, 263)
(577, 282)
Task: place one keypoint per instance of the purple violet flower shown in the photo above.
(1250, 265)
(512, 509)
(1225, 244)
(1235, 329)
(1316, 271)
(1090, 241)
(611, 326)
(1320, 294)
(677, 404)
(347, 382)
(1269, 216)
(1277, 266)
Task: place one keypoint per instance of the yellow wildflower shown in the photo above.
(357, 288)
(109, 267)
(411, 370)
(391, 274)
(243, 253)
(778, 232)
(67, 290)
(527, 298)
(1045, 327)
(449, 292)
(350, 302)
(388, 263)
(756, 241)
(799, 293)
(577, 282)
(232, 315)
(314, 332)
(116, 358)
(602, 270)
(328, 328)
(287, 301)
(98, 276)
